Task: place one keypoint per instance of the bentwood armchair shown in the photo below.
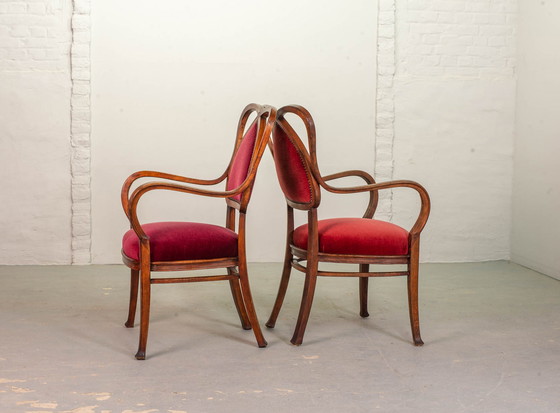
(180, 246)
(361, 241)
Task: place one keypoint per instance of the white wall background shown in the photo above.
(35, 205)
(454, 122)
(168, 85)
(536, 201)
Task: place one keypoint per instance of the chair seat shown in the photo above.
(356, 236)
(180, 241)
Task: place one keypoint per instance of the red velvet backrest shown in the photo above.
(242, 160)
(293, 172)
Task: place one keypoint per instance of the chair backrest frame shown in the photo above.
(266, 117)
(308, 157)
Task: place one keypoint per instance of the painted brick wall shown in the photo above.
(385, 103)
(445, 117)
(34, 114)
(454, 98)
(80, 132)
(34, 36)
(457, 38)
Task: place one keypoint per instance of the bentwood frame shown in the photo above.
(312, 256)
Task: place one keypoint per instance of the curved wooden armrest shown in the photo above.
(373, 195)
(424, 198)
(150, 186)
(125, 191)
(355, 172)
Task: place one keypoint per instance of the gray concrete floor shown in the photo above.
(492, 334)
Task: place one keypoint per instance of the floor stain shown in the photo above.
(140, 411)
(285, 390)
(21, 390)
(84, 409)
(99, 396)
(12, 381)
(38, 411)
(50, 405)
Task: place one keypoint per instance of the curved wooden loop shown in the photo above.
(125, 191)
(424, 198)
(310, 158)
(373, 195)
(265, 113)
(151, 186)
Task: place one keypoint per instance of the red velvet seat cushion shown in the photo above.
(178, 241)
(356, 236)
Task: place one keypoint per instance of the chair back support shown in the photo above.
(242, 160)
(294, 165)
(249, 149)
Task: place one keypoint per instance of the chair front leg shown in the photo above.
(144, 310)
(238, 300)
(134, 276)
(310, 277)
(285, 271)
(306, 302)
(412, 284)
(248, 299)
(364, 291)
(281, 289)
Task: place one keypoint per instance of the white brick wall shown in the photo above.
(454, 94)
(439, 39)
(32, 36)
(457, 38)
(49, 41)
(385, 105)
(81, 128)
(34, 134)
(445, 77)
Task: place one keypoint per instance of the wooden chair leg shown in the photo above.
(306, 302)
(412, 284)
(248, 299)
(281, 289)
(134, 276)
(239, 304)
(144, 312)
(364, 291)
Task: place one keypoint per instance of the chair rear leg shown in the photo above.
(412, 284)
(248, 299)
(134, 276)
(364, 291)
(306, 302)
(239, 304)
(144, 312)
(281, 289)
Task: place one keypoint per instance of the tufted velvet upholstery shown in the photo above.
(356, 236)
(292, 175)
(178, 241)
(242, 160)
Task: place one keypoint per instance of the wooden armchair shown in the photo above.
(361, 241)
(180, 246)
